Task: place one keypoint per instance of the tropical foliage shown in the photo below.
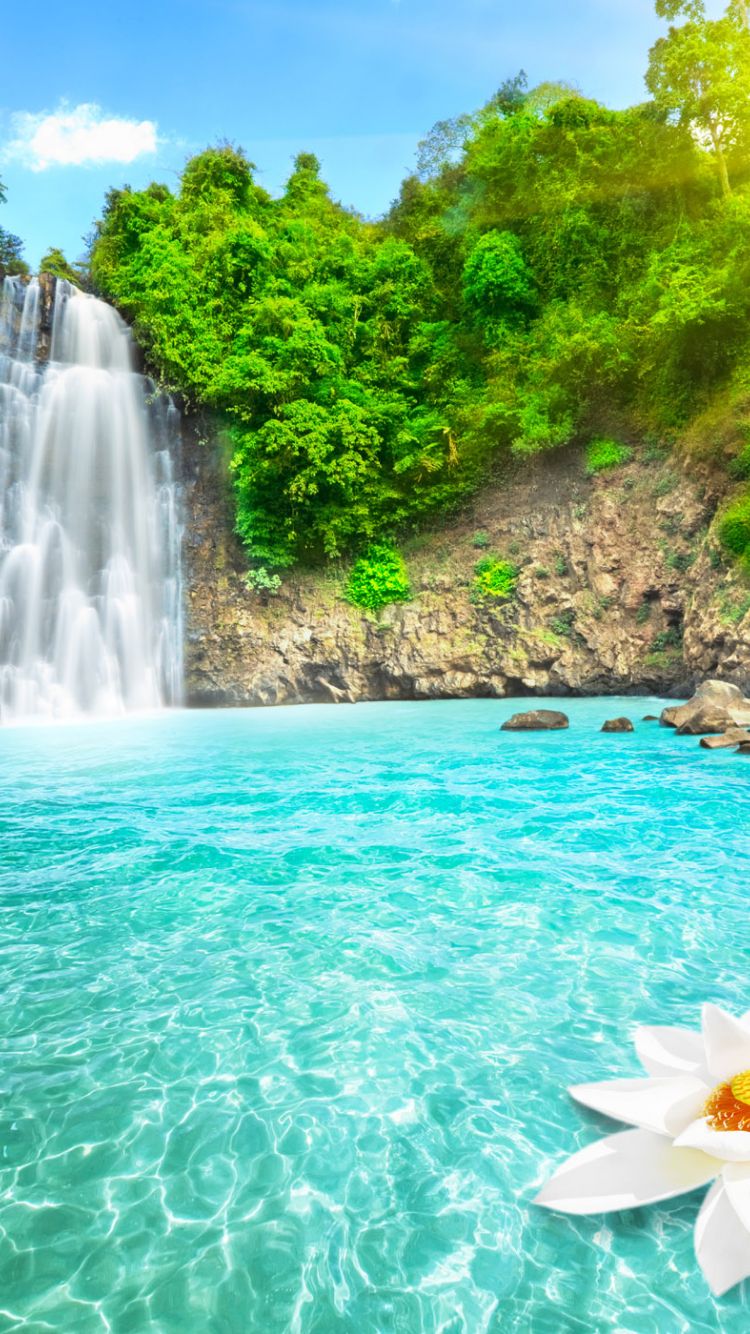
(378, 578)
(494, 579)
(12, 262)
(554, 272)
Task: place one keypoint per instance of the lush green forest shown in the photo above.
(554, 271)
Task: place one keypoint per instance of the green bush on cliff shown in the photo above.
(734, 527)
(739, 468)
(261, 580)
(494, 580)
(602, 455)
(378, 579)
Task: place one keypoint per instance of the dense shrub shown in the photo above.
(563, 624)
(494, 579)
(604, 454)
(739, 467)
(734, 527)
(260, 580)
(378, 579)
(497, 282)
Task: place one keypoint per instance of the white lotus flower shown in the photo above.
(693, 1127)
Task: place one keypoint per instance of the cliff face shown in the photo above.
(621, 590)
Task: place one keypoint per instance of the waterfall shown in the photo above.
(90, 597)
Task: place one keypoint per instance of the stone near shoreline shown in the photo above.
(715, 707)
(734, 736)
(537, 720)
(618, 725)
(706, 722)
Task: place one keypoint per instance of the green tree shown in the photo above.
(12, 262)
(497, 280)
(55, 263)
(701, 73)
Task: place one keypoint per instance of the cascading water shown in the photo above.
(90, 598)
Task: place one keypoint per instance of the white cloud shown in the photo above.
(77, 136)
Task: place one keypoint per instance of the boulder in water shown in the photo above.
(713, 700)
(618, 725)
(650, 718)
(706, 722)
(734, 736)
(537, 720)
(720, 692)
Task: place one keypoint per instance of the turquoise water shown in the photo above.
(290, 999)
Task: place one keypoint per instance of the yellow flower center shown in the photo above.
(728, 1107)
(740, 1087)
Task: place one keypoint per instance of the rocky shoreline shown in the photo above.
(718, 713)
(621, 590)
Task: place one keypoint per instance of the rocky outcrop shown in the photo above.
(618, 725)
(620, 590)
(47, 286)
(706, 722)
(537, 720)
(715, 707)
(734, 736)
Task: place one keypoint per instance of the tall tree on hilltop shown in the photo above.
(700, 72)
(696, 10)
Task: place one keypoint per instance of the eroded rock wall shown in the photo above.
(621, 590)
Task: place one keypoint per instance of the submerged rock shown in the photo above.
(537, 720)
(650, 718)
(734, 736)
(744, 749)
(618, 725)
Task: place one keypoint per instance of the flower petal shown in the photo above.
(732, 1146)
(722, 1246)
(670, 1051)
(727, 1043)
(666, 1106)
(736, 1178)
(623, 1171)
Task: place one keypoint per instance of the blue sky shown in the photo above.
(358, 83)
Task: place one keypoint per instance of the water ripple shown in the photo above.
(291, 999)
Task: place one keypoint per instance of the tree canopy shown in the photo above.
(552, 266)
(11, 248)
(701, 72)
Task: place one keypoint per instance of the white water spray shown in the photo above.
(90, 598)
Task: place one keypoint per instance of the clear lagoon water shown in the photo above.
(291, 997)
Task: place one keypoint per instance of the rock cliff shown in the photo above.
(622, 589)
